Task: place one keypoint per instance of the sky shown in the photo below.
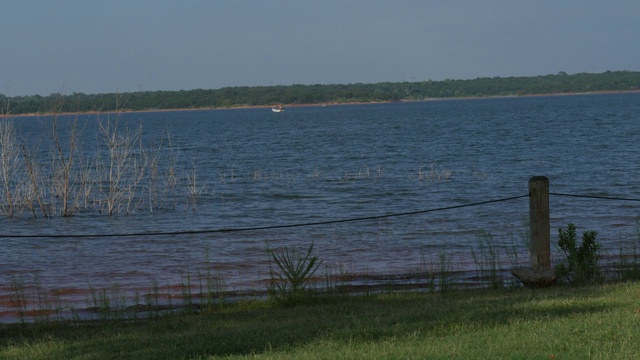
(97, 46)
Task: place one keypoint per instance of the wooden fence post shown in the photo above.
(540, 273)
(539, 223)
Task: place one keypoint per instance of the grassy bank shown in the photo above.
(558, 323)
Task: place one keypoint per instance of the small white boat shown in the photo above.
(277, 108)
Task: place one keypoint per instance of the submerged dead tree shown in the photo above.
(55, 175)
(9, 167)
(68, 175)
(124, 168)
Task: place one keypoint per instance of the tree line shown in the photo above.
(228, 97)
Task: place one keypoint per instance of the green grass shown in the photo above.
(564, 322)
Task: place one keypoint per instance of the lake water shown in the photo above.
(257, 169)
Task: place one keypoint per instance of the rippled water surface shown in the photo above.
(259, 169)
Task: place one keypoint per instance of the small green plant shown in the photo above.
(628, 265)
(426, 271)
(337, 278)
(108, 304)
(487, 260)
(289, 282)
(100, 302)
(42, 306)
(18, 296)
(212, 284)
(135, 307)
(187, 296)
(445, 273)
(152, 299)
(581, 262)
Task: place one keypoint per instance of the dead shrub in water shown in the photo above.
(123, 168)
(67, 174)
(9, 166)
(434, 175)
(119, 175)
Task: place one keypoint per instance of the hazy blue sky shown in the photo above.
(136, 45)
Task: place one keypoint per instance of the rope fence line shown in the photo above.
(229, 230)
(328, 222)
(594, 197)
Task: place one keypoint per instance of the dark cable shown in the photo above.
(594, 197)
(227, 230)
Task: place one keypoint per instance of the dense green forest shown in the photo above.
(228, 97)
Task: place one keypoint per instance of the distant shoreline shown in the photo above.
(316, 104)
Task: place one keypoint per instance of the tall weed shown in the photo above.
(581, 262)
(292, 273)
(487, 260)
(446, 279)
(628, 266)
